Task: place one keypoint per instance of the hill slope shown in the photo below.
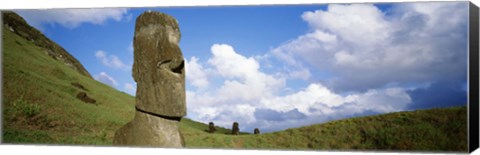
(39, 96)
(19, 26)
(423, 130)
(40, 106)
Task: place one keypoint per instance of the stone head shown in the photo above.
(158, 66)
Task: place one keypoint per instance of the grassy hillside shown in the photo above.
(40, 104)
(19, 26)
(40, 107)
(424, 130)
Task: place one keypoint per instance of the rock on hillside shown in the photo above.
(19, 26)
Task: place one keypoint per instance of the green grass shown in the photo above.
(40, 104)
(424, 130)
(40, 107)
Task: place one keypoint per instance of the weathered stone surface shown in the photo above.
(256, 131)
(149, 130)
(158, 66)
(235, 128)
(159, 71)
(84, 97)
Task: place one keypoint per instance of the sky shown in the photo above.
(284, 66)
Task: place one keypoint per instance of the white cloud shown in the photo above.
(317, 99)
(366, 53)
(300, 73)
(130, 88)
(369, 54)
(242, 84)
(308, 47)
(382, 100)
(228, 63)
(365, 48)
(303, 100)
(249, 96)
(319, 104)
(195, 73)
(72, 18)
(106, 79)
(241, 74)
(360, 24)
(100, 54)
(111, 60)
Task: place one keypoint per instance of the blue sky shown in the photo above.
(277, 67)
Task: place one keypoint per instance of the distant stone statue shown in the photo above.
(84, 97)
(235, 128)
(159, 71)
(256, 131)
(211, 127)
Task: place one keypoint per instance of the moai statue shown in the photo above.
(159, 71)
(235, 128)
(256, 131)
(211, 127)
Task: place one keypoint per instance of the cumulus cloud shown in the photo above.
(317, 101)
(196, 74)
(304, 99)
(290, 113)
(111, 60)
(375, 62)
(299, 73)
(106, 79)
(227, 62)
(241, 73)
(242, 84)
(366, 48)
(251, 97)
(359, 24)
(72, 18)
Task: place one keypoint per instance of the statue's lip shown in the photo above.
(172, 118)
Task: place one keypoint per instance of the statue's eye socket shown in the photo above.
(172, 66)
(179, 68)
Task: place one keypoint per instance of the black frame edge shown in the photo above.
(473, 110)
